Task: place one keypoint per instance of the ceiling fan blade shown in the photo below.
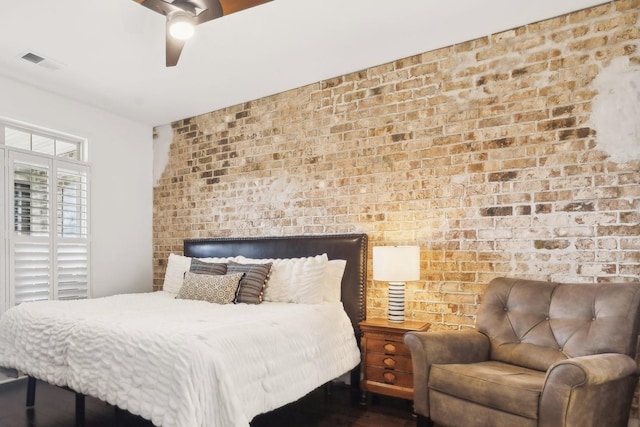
(160, 6)
(174, 48)
(217, 8)
(232, 6)
(212, 10)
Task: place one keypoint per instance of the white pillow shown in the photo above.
(296, 280)
(177, 265)
(174, 275)
(332, 280)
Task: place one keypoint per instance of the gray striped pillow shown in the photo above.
(211, 268)
(252, 283)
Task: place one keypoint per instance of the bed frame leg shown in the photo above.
(355, 378)
(327, 392)
(31, 400)
(79, 410)
(423, 421)
(31, 391)
(119, 415)
(356, 393)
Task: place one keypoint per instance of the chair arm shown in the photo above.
(568, 381)
(426, 348)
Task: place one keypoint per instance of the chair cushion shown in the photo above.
(499, 385)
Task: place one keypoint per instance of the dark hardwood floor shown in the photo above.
(55, 407)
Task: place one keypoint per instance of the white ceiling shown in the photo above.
(110, 53)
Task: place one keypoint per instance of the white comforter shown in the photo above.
(178, 362)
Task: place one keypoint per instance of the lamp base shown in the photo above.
(396, 302)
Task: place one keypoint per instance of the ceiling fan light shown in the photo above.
(181, 26)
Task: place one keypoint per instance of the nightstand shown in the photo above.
(386, 361)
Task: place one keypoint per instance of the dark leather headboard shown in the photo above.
(350, 247)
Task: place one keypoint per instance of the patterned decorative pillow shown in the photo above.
(220, 289)
(211, 268)
(252, 283)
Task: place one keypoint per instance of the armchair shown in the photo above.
(542, 354)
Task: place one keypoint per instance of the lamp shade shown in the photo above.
(396, 263)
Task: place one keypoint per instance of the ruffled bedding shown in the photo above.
(181, 362)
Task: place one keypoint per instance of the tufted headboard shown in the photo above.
(535, 324)
(350, 247)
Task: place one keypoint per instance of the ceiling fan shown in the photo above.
(183, 15)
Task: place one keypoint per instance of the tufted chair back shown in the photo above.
(536, 324)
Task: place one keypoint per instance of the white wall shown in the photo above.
(121, 157)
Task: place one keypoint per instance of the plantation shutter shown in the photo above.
(72, 243)
(32, 271)
(50, 243)
(31, 254)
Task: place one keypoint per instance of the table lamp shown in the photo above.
(396, 265)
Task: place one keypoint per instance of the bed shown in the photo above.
(180, 362)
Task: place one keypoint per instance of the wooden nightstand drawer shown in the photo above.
(387, 347)
(387, 361)
(396, 363)
(386, 376)
(386, 335)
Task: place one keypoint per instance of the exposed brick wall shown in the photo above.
(479, 152)
(483, 153)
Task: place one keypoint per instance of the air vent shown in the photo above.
(32, 57)
(40, 60)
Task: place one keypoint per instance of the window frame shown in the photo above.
(56, 238)
(4, 262)
(81, 143)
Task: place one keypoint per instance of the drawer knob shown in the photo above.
(389, 377)
(389, 362)
(389, 348)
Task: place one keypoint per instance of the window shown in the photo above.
(72, 203)
(45, 216)
(24, 139)
(30, 200)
